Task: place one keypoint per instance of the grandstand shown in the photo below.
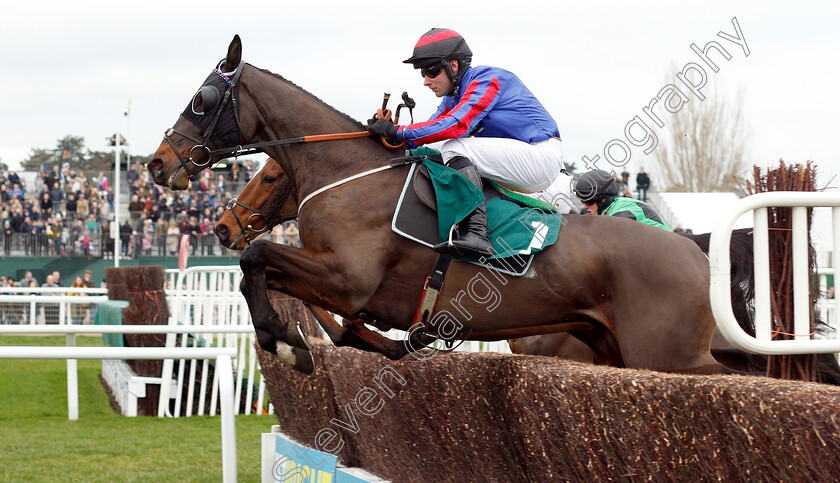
(61, 221)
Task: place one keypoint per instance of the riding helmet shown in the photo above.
(439, 44)
(594, 184)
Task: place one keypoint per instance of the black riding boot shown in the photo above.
(473, 240)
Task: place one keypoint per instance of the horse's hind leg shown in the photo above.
(356, 335)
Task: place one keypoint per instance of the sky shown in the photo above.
(73, 68)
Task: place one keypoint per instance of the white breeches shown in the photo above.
(531, 169)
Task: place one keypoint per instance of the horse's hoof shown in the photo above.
(296, 338)
(298, 359)
(304, 362)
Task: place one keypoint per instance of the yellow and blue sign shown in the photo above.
(296, 463)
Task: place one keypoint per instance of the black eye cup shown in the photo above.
(206, 100)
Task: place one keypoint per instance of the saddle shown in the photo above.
(416, 218)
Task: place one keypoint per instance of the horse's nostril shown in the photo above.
(222, 232)
(156, 165)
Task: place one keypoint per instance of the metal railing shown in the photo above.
(49, 305)
(42, 245)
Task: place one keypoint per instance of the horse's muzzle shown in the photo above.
(222, 232)
(155, 167)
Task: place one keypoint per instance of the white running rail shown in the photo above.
(222, 355)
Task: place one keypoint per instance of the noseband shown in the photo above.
(243, 230)
(210, 99)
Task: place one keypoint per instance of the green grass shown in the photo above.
(39, 443)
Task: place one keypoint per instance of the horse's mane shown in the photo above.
(313, 96)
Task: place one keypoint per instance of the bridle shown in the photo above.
(213, 102)
(243, 230)
(210, 98)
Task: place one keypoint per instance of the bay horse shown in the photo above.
(265, 202)
(636, 295)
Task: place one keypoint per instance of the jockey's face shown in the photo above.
(591, 207)
(440, 84)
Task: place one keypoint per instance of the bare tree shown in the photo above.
(707, 144)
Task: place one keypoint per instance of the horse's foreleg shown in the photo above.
(267, 325)
(355, 334)
(304, 274)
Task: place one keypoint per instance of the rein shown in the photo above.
(256, 147)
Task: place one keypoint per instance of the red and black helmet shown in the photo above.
(438, 45)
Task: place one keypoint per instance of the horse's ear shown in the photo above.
(234, 55)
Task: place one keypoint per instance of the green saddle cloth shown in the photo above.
(514, 230)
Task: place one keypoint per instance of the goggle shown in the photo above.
(431, 71)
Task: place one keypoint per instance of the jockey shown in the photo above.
(598, 191)
(488, 125)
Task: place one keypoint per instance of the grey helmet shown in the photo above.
(597, 186)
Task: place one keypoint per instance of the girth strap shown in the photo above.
(431, 291)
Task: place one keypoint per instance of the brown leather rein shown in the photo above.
(256, 147)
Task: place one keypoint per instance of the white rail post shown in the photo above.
(801, 274)
(225, 372)
(72, 382)
(761, 255)
(835, 258)
(33, 313)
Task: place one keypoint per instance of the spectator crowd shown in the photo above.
(68, 212)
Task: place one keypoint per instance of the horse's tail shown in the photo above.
(742, 281)
(828, 369)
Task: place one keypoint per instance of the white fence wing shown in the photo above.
(803, 342)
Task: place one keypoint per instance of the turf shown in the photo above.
(39, 443)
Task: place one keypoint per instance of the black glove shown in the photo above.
(386, 128)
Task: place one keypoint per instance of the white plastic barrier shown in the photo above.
(209, 296)
(220, 354)
(762, 343)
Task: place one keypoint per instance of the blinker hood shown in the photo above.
(209, 98)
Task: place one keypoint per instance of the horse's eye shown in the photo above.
(268, 179)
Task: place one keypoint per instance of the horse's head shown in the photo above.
(208, 125)
(266, 201)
